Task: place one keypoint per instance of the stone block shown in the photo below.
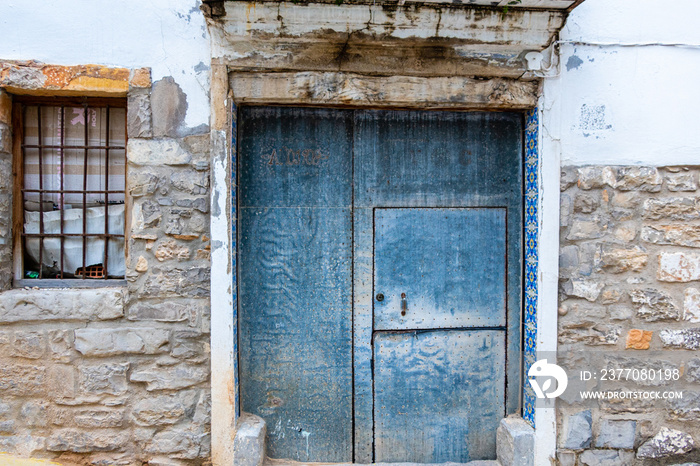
(565, 208)
(62, 381)
(638, 339)
(5, 138)
(22, 379)
(61, 344)
(673, 208)
(166, 311)
(22, 305)
(171, 378)
(654, 305)
(594, 177)
(110, 342)
(156, 152)
(79, 441)
(249, 442)
(181, 443)
(191, 182)
(566, 458)
(192, 282)
(7, 428)
(165, 409)
(98, 418)
(625, 233)
(616, 434)
(201, 204)
(686, 408)
(637, 178)
(104, 379)
(578, 430)
(586, 203)
(138, 116)
(24, 444)
(681, 182)
(582, 288)
(590, 334)
(143, 183)
(691, 305)
(606, 458)
(140, 78)
(618, 260)
(683, 339)
(675, 234)
(33, 413)
(610, 296)
(169, 106)
(587, 228)
(30, 345)
(692, 370)
(668, 442)
(170, 249)
(568, 259)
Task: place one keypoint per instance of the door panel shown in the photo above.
(439, 268)
(406, 164)
(437, 395)
(337, 206)
(295, 314)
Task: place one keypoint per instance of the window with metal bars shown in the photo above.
(70, 162)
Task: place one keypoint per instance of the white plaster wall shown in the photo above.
(169, 36)
(627, 104)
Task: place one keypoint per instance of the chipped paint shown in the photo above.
(573, 63)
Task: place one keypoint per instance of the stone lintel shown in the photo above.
(333, 88)
(40, 79)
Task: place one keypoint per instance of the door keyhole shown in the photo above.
(380, 297)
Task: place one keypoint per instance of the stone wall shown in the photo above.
(120, 375)
(630, 298)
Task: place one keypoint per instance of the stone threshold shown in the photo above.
(275, 462)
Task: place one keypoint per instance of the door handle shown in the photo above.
(404, 304)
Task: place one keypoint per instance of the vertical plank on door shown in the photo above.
(295, 313)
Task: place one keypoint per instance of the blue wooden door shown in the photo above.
(380, 276)
(295, 298)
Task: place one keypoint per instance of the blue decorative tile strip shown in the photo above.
(531, 255)
(234, 251)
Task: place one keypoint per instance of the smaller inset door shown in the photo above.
(439, 268)
(440, 338)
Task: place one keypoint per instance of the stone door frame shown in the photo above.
(343, 90)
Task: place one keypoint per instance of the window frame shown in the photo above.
(18, 102)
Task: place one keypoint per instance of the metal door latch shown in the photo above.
(404, 304)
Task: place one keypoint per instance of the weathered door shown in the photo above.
(380, 276)
(295, 277)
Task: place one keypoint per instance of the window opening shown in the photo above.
(73, 186)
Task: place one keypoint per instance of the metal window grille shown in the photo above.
(73, 186)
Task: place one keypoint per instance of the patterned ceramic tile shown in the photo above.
(531, 238)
